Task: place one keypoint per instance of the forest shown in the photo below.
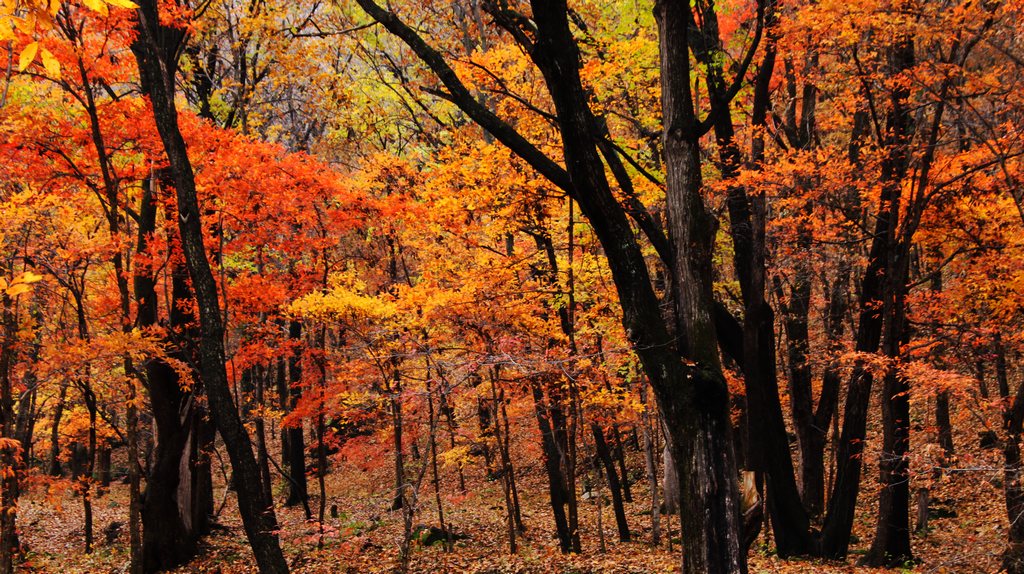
(511, 286)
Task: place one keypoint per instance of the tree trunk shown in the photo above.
(10, 458)
(259, 428)
(156, 51)
(943, 423)
(614, 485)
(696, 411)
(879, 286)
(1013, 473)
(682, 362)
(651, 465)
(295, 444)
(557, 489)
(891, 546)
(167, 540)
(53, 467)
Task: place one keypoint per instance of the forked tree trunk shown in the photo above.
(681, 357)
(167, 539)
(614, 485)
(156, 51)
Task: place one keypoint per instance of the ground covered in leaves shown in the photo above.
(965, 534)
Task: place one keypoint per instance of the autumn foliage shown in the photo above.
(549, 286)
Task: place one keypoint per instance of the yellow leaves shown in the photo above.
(20, 284)
(346, 298)
(50, 64)
(96, 6)
(100, 6)
(28, 55)
(457, 456)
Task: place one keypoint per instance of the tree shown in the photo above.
(156, 51)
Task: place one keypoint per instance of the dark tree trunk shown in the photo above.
(103, 460)
(201, 437)
(614, 485)
(156, 50)
(767, 441)
(167, 540)
(682, 365)
(259, 429)
(53, 467)
(10, 459)
(943, 422)
(396, 427)
(881, 301)
(557, 491)
(298, 491)
(891, 546)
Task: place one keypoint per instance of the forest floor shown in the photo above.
(967, 536)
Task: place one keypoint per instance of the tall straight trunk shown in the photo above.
(560, 419)
(697, 413)
(86, 479)
(620, 458)
(295, 446)
(651, 465)
(767, 445)
(321, 434)
(510, 475)
(259, 429)
(203, 434)
(395, 402)
(53, 467)
(891, 545)
(877, 305)
(979, 368)
(10, 458)
(1013, 472)
(156, 51)
(104, 460)
(432, 419)
(942, 421)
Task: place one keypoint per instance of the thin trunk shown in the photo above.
(651, 465)
(53, 467)
(605, 456)
(433, 466)
(259, 429)
(506, 469)
(321, 435)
